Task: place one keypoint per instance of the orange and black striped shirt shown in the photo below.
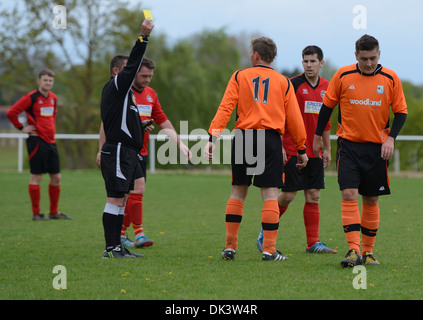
(264, 99)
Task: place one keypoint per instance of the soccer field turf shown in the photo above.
(185, 214)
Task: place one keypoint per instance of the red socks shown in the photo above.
(35, 196)
(54, 193)
(311, 222)
(133, 213)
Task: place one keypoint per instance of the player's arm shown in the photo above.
(101, 141)
(124, 79)
(296, 126)
(223, 115)
(170, 131)
(327, 152)
(13, 114)
(324, 117)
(388, 146)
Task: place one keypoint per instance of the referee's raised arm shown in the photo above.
(125, 78)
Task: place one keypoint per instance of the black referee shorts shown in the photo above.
(258, 154)
(120, 167)
(360, 166)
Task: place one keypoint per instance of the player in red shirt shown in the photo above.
(40, 107)
(309, 89)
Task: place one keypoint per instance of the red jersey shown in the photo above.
(149, 108)
(310, 101)
(40, 112)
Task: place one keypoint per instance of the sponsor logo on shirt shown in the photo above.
(47, 111)
(312, 107)
(366, 102)
(144, 110)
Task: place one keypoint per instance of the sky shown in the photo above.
(333, 25)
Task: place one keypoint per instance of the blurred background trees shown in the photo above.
(190, 77)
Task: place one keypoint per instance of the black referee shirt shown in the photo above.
(119, 112)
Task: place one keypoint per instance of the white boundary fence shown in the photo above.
(163, 137)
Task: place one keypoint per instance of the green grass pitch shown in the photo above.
(184, 213)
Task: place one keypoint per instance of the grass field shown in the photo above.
(184, 214)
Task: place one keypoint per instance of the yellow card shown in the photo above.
(147, 14)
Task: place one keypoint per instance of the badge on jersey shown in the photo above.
(47, 111)
(144, 110)
(380, 89)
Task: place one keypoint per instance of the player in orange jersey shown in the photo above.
(365, 92)
(264, 100)
(40, 108)
(309, 89)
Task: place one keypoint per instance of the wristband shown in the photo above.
(143, 37)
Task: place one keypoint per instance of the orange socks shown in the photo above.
(35, 195)
(351, 223)
(369, 225)
(234, 210)
(270, 225)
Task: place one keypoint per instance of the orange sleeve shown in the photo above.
(294, 119)
(226, 107)
(332, 94)
(399, 104)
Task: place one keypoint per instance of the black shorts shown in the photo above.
(360, 166)
(143, 162)
(43, 156)
(120, 167)
(310, 177)
(258, 154)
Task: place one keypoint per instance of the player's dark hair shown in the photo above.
(148, 63)
(118, 62)
(310, 50)
(265, 47)
(366, 43)
(45, 72)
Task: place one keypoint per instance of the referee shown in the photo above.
(119, 155)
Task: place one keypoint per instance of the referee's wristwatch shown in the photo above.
(143, 37)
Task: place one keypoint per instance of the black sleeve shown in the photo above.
(322, 121)
(399, 120)
(124, 79)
